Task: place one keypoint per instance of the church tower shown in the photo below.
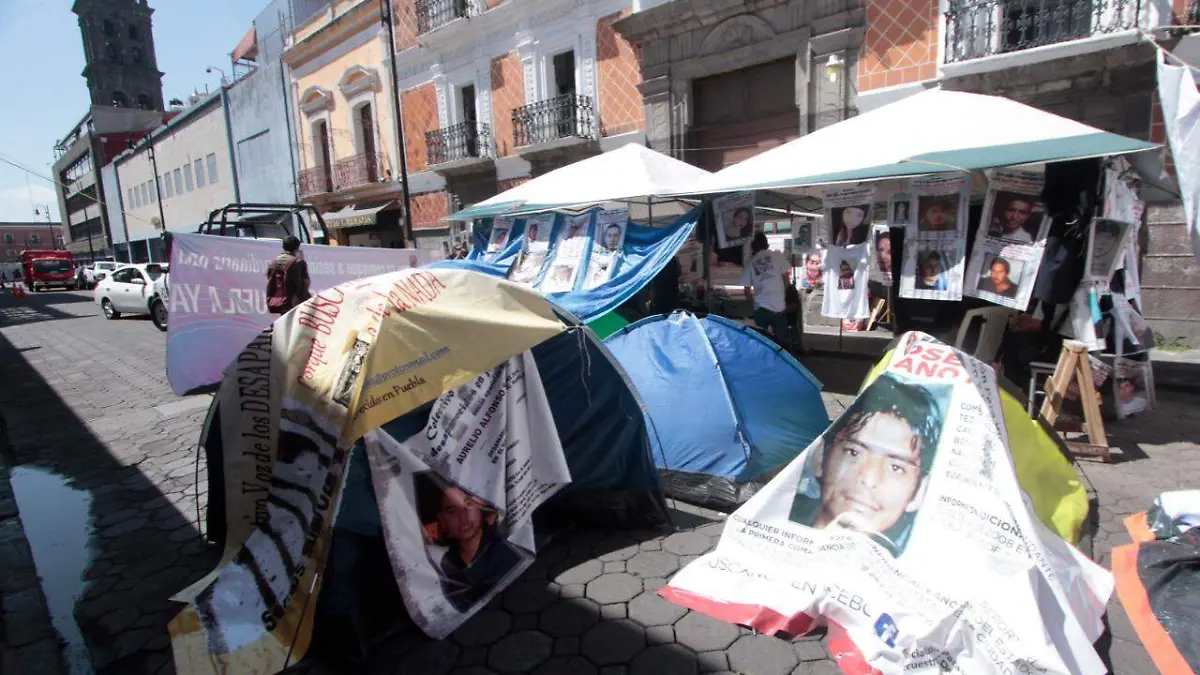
(118, 44)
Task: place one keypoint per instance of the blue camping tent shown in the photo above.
(726, 407)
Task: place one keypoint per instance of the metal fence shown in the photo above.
(433, 14)
(566, 116)
(978, 28)
(460, 141)
(357, 170)
(314, 181)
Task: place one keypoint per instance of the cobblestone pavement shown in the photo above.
(87, 399)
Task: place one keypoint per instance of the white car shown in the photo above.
(92, 274)
(135, 289)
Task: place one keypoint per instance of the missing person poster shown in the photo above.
(846, 295)
(535, 247)
(735, 219)
(568, 251)
(938, 207)
(1010, 241)
(904, 529)
(933, 269)
(812, 269)
(1106, 248)
(881, 254)
(848, 212)
(607, 243)
(899, 207)
(804, 235)
(1003, 273)
(1133, 386)
(498, 241)
(456, 499)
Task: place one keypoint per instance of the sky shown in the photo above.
(41, 58)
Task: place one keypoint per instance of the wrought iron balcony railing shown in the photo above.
(314, 181)
(566, 116)
(433, 14)
(462, 141)
(1193, 12)
(978, 28)
(359, 170)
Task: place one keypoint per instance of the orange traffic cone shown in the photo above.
(18, 291)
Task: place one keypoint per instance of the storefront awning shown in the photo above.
(247, 47)
(357, 215)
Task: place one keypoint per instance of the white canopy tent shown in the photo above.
(931, 132)
(631, 173)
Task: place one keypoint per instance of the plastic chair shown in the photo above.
(995, 320)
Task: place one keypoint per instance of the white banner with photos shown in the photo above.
(846, 295)
(607, 243)
(938, 207)
(501, 229)
(572, 240)
(734, 214)
(905, 530)
(848, 213)
(455, 499)
(534, 248)
(1010, 240)
(933, 269)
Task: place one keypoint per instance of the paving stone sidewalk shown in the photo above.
(87, 399)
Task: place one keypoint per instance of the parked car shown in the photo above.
(135, 289)
(92, 274)
(48, 269)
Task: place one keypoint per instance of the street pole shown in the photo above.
(162, 218)
(385, 8)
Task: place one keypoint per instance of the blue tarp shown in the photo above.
(726, 406)
(646, 251)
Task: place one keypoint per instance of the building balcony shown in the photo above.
(1193, 12)
(314, 181)
(433, 14)
(555, 122)
(981, 28)
(359, 170)
(458, 148)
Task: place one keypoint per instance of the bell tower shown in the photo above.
(118, 45)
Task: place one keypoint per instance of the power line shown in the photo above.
(57, 183)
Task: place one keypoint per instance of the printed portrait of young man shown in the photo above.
(871, 469)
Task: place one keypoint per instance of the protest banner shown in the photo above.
(938, 207)
(608, 239)
(846, 295)
(905, 530)
(848, 213)
(488, 457)
(1010, 240)
(881, 254)
(734, 215)
(217, 297)
(933, 269)
(535, 248)
(567, 253)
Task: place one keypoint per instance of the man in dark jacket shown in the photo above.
(287, 278)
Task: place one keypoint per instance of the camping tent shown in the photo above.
(727, 407)
(930, 132)
(408, 384)
(631, 172)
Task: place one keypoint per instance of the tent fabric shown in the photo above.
(646, 251)
(944, 131)
(607, 324)
(727, 407)
(1059, 498)
(630, 172)
(1181, 113)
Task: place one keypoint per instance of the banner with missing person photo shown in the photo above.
(535, 248)
(608, 240)
(488, 456)
(933, 269)
(938, 207)
(567, 253)
(1010, 240)
(846, 293)
(734, 214)
(848, 212)
(881, 254)
(903, 528)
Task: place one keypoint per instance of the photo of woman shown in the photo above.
(813, 271)
(740, 225)
(931, 272)
(850, 224)
(938, 213)
(845, 276)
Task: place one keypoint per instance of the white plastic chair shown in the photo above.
(994, 319)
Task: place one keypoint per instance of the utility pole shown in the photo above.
(385, 8)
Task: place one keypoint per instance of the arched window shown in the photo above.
(143, 102)
(120, 100)
(134, 34)
(109, 29)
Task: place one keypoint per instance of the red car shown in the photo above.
(48, 269)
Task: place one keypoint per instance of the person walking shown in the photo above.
(764, 278)
(287, 278)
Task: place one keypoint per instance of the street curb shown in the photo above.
(29, 642)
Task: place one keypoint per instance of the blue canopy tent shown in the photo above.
(726, 407)
(645, 252)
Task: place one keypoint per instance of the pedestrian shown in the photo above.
(287, 278)
(764, 278)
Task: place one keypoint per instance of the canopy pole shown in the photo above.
(706, 250)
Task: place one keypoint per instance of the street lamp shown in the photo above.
(385, 10)
(224, 79)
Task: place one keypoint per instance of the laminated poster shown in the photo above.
(811, 275)
(881, 254)
(848, 212)
(899, 208)
(1106, 248)
(903, 528)
(933, 269)
(1010, 241)
(498, 241)
(608, 242)
(568, 251)
(735, 219)
(1133, 386)
(804, 235)
(535, 248)
(846, 293)
(938, 207)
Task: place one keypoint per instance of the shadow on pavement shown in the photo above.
(143, 546)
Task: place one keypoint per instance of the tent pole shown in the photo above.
(706, 249)
(650, 211)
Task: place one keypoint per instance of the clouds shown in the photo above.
(15, 206)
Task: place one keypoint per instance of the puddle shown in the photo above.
(55, 518)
